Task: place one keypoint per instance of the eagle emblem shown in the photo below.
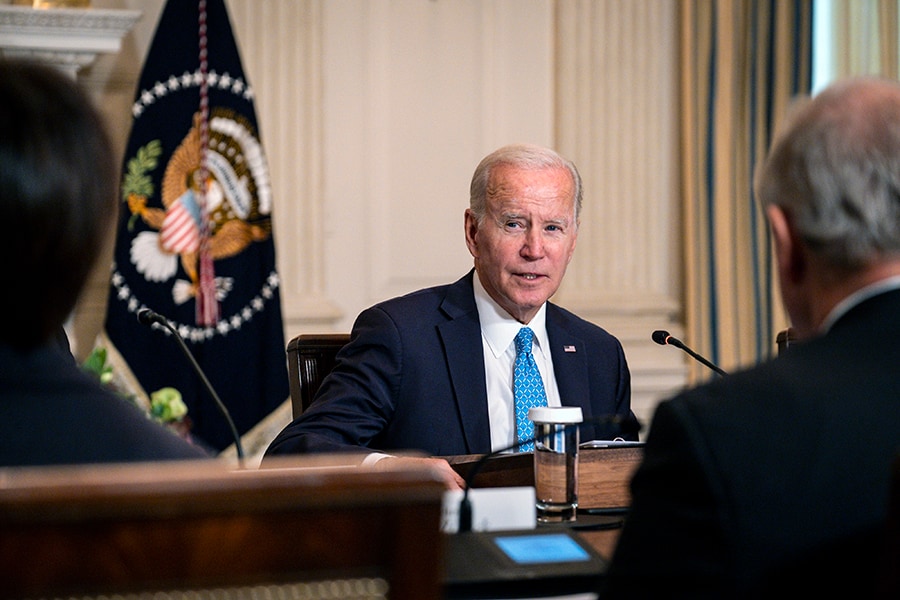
(238, 203)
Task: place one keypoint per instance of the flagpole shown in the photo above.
(207, 312)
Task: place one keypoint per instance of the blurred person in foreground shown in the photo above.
(57, 204)
(775, 480)
(432, 371)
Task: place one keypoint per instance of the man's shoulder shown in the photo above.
(415, 302)
(430, 298)
(564, 319)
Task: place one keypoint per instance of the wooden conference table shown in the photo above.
(98, 529)
(603, 478)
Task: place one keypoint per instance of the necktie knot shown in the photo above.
(523, 341)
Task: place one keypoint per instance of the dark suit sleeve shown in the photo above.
(672, 541)
(610, 393)
(356, 400)
(628, 426)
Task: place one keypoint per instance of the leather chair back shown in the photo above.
(310, 358)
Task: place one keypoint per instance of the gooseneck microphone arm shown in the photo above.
(663, 338)
(465, 505)
(145, 316)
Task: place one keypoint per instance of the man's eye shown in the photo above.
(513, 225)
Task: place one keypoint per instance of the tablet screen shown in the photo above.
(532, 549)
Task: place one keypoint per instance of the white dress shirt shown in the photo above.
(498, 333)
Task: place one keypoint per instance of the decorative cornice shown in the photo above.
(71, 38)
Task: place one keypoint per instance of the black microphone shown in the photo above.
(663, 338)
(145, 316)
(465, 505)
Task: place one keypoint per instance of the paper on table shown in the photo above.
(493, 509)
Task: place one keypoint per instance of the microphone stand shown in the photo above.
(465, 505)
(148, 317)
(663, 338)
(697, 357)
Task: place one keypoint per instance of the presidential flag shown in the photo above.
(194, 240)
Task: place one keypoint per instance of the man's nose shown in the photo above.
(534, 244)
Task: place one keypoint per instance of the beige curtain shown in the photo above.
(741, 63)
(887, 32)
(860, 36)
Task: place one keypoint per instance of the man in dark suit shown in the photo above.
(775, 480)
(57, 202)
(432, 371)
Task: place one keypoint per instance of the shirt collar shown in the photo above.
(499, 328)
(857, 297)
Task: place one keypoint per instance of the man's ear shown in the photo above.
(789, 250)
(471, 227)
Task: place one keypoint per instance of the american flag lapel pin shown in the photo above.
(568, 348)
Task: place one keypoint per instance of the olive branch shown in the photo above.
(136, 181)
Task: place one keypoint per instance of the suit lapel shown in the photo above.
(465, 363)
(569, 364)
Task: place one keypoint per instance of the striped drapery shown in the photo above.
(858, 38)
(741, 63)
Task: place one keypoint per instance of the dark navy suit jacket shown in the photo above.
(412, 378)
(52, 413)
(774, 479)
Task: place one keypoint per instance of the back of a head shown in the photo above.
(835, 169)
(57, 197)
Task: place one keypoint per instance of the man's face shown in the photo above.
(527, 238)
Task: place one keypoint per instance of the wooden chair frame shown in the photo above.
(161, 527)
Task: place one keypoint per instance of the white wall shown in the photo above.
(374, 113)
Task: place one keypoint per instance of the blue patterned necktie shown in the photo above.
(528, 388)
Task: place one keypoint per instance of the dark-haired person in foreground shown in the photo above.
(57, 204)
(774, 481)
(432, 371)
